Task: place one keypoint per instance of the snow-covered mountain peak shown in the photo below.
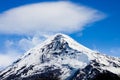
(62, 38)
(59, 52)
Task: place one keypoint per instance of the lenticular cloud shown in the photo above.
(47, 17)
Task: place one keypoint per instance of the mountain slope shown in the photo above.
(63, 57)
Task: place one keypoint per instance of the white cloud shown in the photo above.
(30, 42)
(24, 44)
(47, 17)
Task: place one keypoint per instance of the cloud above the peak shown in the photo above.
(47, 17)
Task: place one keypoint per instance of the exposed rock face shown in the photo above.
(94, 72)
(62, 58)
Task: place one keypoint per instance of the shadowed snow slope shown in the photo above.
(61, 56)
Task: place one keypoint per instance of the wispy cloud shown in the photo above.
(47, 17)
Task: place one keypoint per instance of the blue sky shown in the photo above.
(101, 35)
